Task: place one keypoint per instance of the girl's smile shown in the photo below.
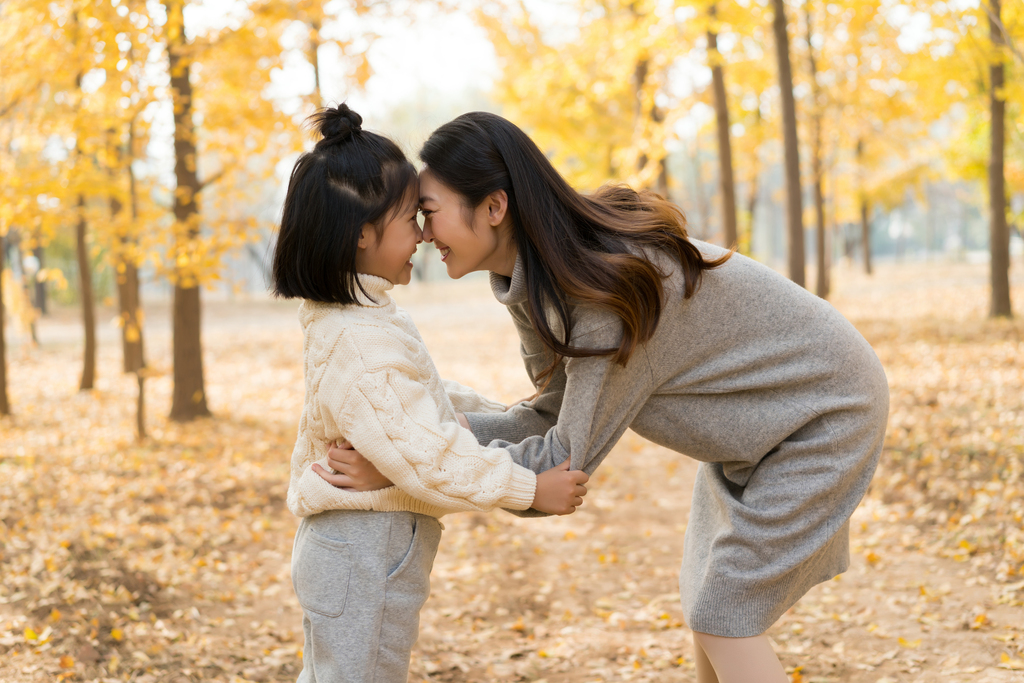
(388, 253)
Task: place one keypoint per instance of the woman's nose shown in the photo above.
(426, 234)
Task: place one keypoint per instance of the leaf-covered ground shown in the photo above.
(169, 560)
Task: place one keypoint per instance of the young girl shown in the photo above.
(362, 559)
(626, 322)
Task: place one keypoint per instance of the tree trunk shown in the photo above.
(84, 269)
(725, 174)
(865, 208)
(5, 405)
(746, 243)
(39, 300)
(794, 201)
(703, 205)
(657, 116)
(999, 233)
(188, 399)
(819, 199)
(140, 407)
(865, 233)
(127, 273)
(662, 185)
(88, 304)
(314, 59)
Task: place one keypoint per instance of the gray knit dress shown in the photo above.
(780, 398)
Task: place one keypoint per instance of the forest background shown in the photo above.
(871, 150)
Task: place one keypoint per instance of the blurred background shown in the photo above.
(871, 150)
(145, 146)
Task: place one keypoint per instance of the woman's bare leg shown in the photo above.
(705, 672)
(738, 660)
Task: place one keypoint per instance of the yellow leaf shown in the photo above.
(910, 644)
(1007, 662)
(67, 662)
(872, 558)
(116, 634)
(55, 614)
(30, 634)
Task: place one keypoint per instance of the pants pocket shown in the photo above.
(408, 533)
(321, 574)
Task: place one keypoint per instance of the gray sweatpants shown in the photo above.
(361, 578)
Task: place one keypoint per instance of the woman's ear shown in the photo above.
(497, 207)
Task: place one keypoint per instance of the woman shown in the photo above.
(626, 322)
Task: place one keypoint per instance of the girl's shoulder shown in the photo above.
(377, 338)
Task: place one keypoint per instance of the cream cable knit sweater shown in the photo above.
(369, 379)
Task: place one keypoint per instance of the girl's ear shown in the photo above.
(367, 237)
(497, 207)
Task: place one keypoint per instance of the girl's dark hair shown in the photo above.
(352, 177)
(575, 249)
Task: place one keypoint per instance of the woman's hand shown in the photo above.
(559, 491)
(354, 472)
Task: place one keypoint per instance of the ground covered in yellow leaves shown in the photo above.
(168, 560)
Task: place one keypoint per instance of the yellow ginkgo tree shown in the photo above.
(597, 103)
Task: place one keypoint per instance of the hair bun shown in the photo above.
(336, 124)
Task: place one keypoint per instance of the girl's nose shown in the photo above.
(426, 234)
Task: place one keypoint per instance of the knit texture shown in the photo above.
(369, 379)
(782, 400)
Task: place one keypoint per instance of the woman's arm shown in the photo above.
(598, 401)
(537, 416)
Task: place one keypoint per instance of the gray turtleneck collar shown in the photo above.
(510, 291)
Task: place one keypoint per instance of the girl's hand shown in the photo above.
(559, 491)
(463, 422)
(354, 472)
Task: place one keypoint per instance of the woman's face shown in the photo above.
(468, 239)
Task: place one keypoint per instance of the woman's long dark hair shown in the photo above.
(575, 249)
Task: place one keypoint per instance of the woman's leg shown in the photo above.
(705, 672)
(738, 660)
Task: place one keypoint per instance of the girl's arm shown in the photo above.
(391, 418)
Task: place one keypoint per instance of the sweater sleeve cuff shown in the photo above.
(522, 488)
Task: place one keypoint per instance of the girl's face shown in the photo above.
(468, 239)
(388, 257)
